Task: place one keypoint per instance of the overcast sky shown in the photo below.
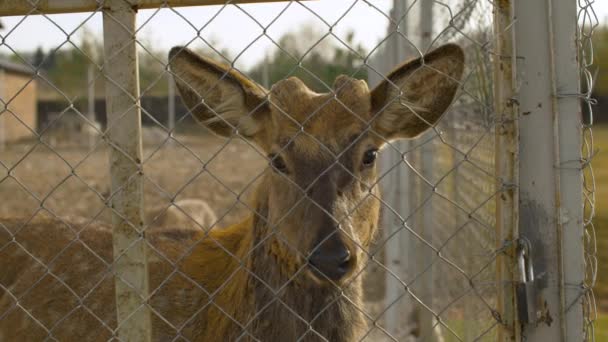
(231, 28)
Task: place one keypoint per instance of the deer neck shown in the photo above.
(287, 299)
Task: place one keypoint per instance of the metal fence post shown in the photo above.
(91, 103)
(124, 128)
(397, 195)
(397, 247)
(550, 182)
(171, 103)
(19, 7)
(402, 253)
(426, 153)
(3, 111)
(570, 214)
(507, 169)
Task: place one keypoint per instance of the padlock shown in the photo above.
(526, 288)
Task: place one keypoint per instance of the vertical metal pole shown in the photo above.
(91, 102)
(550, 200)
(3, 114)
(426, 24)
(124, 125)
(570, 213)
(396, 196)
(266, 72)
(428, 153)
(506, 168)
(171, 102)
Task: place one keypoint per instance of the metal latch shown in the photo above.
(526, 289)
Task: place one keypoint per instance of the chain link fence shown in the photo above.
(257, 211)
(587, 22)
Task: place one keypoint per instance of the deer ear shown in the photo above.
(413, 97)
(218, 96)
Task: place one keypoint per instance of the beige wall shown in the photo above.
(22, 96)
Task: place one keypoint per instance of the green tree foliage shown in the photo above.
(66, 69)
(152, 78)
(316, 62)
(69, 72)
(600, 48)
(303, 54)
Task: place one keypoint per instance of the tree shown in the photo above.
(600, 48)
(316, 62)
(38, 58)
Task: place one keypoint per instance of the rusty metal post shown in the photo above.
(550, 182)
(507, 169)
(570, 212)
(3, 112)
(91, 104)
(124, 128)
(170, 103)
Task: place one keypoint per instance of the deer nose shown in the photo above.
(333, 263)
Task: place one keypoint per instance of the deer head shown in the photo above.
(321, 189)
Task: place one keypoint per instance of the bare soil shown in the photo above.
(69, 180)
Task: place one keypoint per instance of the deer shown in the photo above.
(291, 270)
(189, 212)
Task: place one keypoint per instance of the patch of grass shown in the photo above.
(600, 167)
(601, 328)
(601, 287)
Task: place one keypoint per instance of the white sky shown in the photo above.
(231, 28)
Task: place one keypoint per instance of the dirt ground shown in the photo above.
(72, 181)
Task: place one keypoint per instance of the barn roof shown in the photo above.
(15, 67)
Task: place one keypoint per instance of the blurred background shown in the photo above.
(600, 166)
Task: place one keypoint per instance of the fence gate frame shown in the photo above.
(539, 147)
(555, 119)
(536, 94)
(540, 204)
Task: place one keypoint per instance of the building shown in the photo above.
(18, 88)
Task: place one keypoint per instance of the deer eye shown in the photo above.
(369, 158)
(278, 163)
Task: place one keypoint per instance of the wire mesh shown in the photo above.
(196, 184)
(587, 22)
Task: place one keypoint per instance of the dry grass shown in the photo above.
(600, 166)
(601, 328)
(68, 181)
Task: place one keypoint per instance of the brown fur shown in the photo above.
(186, 213)
(251, 281)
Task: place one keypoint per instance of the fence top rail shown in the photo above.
(25, 7)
